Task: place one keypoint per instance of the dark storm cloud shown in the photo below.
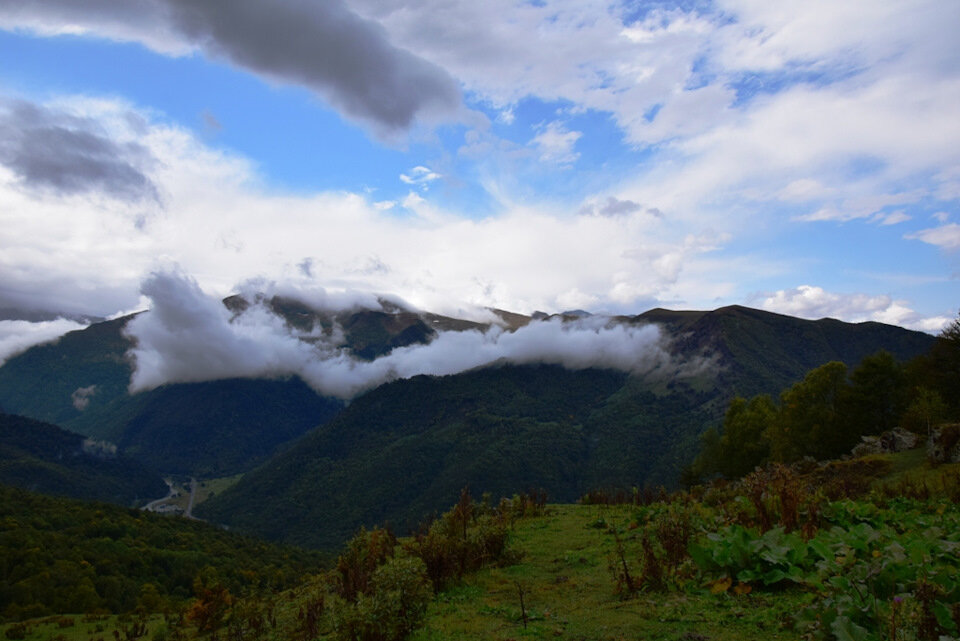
(326, 47)
(323, 46)
(49, 149)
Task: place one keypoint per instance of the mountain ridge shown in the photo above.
(404, 449)
(228, 426)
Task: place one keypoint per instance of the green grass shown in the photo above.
(69, 627)
(569, 593)
(911, 474)
(207, 488)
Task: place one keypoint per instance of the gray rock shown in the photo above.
(895, 440)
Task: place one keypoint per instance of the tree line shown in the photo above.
(825, 415)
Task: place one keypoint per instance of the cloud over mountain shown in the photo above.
(188, 336)
(19, 335)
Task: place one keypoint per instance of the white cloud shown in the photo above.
(18, 336)
(893, 218)
(419, 175)
(808, 301)
(855, 112)
(86, 254)
(555, 144)
(188, 336)
(81, 396)
(945, 236)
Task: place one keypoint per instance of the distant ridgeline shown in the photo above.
(404, 450)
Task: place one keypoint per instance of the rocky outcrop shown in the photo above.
(895, 440)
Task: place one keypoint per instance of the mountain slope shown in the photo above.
(46, 381)
(212, 428)
(223, 427)
(44, 458)
(762, 352)
(403, 450)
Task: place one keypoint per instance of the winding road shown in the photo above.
(152, 505)
(193, 494)
(171, 494)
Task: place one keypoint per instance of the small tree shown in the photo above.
(810, 421)
(744, 444)
(211, 608)
(926, 410)
(878, 395)
(363, 554)
(394, 605)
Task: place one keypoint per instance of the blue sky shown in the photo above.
(800, 157)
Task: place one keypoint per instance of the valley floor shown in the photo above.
(184, 496)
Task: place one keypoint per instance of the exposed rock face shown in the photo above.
(895, 440)
(944, 444)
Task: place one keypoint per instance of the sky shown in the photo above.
(801, 157)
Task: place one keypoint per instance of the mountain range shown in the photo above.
(318, 467)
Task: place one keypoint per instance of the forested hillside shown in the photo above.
(398, 453)
(44, 458)
(65, 556)
(80, 382)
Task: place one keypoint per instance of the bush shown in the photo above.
(394, 607)
(363, 554)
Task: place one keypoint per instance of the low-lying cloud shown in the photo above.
(188, 336)
(81, 396)
(18, 336)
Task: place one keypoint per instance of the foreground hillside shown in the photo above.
(865, 549)
(66, 556)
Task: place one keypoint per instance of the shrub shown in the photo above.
(363, 554)
(393, 607)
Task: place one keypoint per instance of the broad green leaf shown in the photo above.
(847, 630)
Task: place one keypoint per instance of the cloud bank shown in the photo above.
(188, 336)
